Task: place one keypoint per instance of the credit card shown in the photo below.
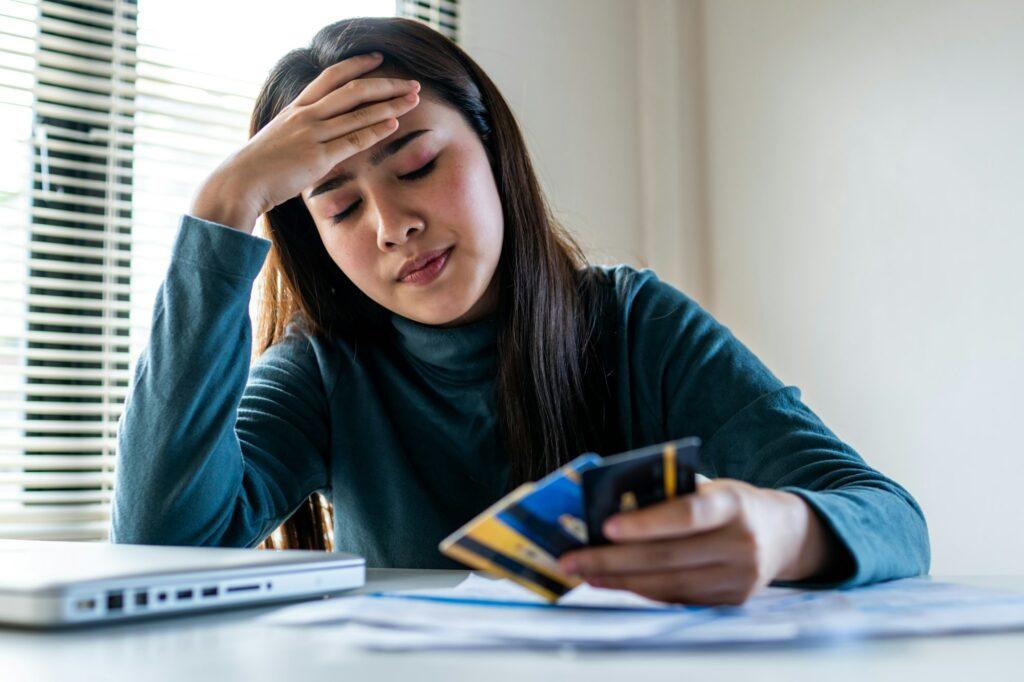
(552, 513)
(522, 535)
(636, 479)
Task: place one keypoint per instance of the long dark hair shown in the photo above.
(549, 367)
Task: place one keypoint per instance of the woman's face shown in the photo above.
(385, 216)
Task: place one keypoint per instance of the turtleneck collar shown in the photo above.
(465, 353)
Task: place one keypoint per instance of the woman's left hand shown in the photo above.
(718, 545)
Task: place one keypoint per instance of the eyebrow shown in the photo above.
(378, 157)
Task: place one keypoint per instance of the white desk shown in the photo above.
(230, 645)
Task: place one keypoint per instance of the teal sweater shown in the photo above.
(404, 442)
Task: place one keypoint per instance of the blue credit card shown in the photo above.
(552, 513)
(521, 536)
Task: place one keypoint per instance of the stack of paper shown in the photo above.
(482, 612)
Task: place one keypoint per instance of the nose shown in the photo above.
(394, 227)
(388, 239)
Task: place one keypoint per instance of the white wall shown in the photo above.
(840, 182)
(608, 95)
(568, 70)
(866, 197)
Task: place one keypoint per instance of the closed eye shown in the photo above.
(420, 172)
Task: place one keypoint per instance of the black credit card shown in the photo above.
(636, 479)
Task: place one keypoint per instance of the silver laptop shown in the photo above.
(46, 583)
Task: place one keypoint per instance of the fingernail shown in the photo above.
(612, 528)
(376, 55)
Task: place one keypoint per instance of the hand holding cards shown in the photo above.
(521, 536)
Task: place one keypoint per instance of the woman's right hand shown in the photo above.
(309, 137)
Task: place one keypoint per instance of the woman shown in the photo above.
(430, 337)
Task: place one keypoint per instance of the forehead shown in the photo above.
(430, 105)
(443, 121)
(429, 112)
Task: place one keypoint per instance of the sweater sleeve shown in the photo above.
(754, 428)
(211, 451)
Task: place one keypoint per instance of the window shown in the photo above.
(442, 15)
(113, 111)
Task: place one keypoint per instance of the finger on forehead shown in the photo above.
(708, 508)
(336, 75)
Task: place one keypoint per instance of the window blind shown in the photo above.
(441, 15)
(67, 78)
(106, 135)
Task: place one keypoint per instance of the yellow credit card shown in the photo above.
(521, 536)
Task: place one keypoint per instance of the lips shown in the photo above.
(417, 263)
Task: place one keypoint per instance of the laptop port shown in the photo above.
(141, 598)
(243, 588)
(85, 604)
(162, 596)
(115, 601)
(183, 595)
(209, 591)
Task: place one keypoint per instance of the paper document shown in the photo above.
(483, 612)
